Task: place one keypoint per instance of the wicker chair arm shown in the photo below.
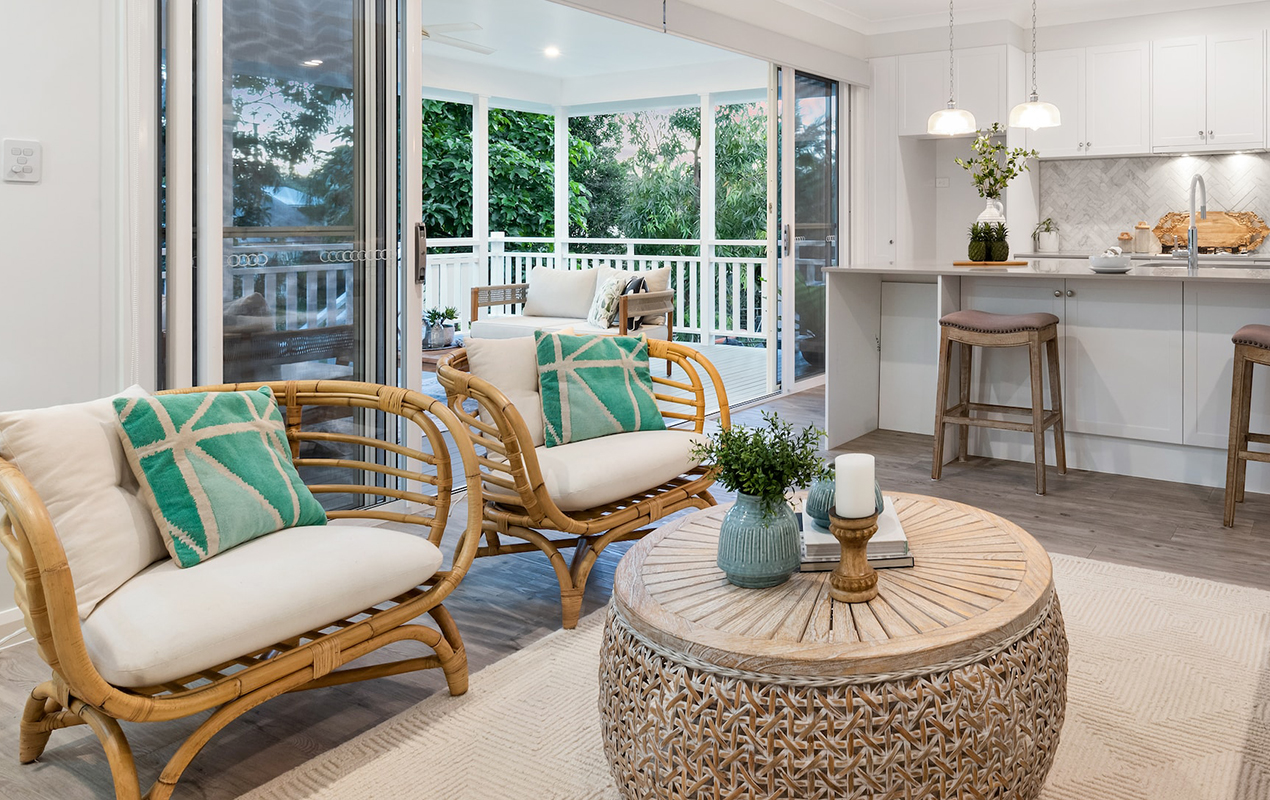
(692, 363)
(646, 304)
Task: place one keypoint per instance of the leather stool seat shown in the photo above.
(1253, 335)
(984, 322)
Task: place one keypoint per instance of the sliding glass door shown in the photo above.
(810, 220)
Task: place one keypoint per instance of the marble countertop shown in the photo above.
(1063, 268)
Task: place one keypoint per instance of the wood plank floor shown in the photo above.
(508, 602)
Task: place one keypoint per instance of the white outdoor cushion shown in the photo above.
(514, 326)
(560, 292)
(593, 472)
(512, 366)
(166, 622)
(72, 455)
(651, 331)
(658, 280)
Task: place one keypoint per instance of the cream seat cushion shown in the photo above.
(560, 292)
(166, 622)
(73, 457)
(594, 472)
(516, 326)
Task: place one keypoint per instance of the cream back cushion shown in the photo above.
(512, 366)
(560, 292)
(73, 457)
(658, 280)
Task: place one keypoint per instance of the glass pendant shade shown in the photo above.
(1034, 115)
(951, 121)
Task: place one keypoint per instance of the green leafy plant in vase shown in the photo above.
(998, 247)
(980, 238)
(759, 541)
(993, 167)
(440, 327)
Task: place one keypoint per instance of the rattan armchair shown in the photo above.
(78, 694)
(517, 503)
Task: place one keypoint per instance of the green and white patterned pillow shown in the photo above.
(594, 386)
(604, 304)
(215, 469)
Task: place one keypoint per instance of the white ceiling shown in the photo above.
(590, 45)
(886, 16)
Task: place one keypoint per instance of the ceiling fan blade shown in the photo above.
(454, 27)
(459, 43)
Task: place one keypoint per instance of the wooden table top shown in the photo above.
(977, 582)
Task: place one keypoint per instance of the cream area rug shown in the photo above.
(1168, 699)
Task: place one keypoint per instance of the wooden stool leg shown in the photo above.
(941, 400)
(1056, 404)
(963, 431)
(1038, 408)
(1245, 407)
(1237, 436)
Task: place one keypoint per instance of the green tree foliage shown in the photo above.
(447, 169)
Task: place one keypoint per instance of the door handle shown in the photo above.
(421, 251)
(787, 238)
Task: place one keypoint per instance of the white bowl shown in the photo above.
(1102, 262)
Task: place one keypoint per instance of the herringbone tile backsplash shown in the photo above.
(1093, 200)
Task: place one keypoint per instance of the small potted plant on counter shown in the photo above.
(440, 330)
(1045, 235)
(992, 169)
(759, 541)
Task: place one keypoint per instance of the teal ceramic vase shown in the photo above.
(758, 548)
(820, 498)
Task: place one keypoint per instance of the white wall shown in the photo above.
(58, 271)
(58, 275)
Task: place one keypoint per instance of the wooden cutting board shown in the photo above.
(1229, 230)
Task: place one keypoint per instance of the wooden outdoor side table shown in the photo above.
(952, 683)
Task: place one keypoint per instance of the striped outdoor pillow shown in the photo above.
(215, 469)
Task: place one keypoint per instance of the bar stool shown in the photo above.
(979, 328)
(1252, 346)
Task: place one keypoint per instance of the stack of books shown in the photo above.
(888, 548)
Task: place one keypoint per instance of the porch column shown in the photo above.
(562, 188)
(710, 283)
(480, 187)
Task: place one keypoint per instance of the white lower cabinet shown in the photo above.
(1123, 347)
(1212, 313)
(1001, 374)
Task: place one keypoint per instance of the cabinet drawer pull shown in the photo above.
(1071, 293)
(1058, 293)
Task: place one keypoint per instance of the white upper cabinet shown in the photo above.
(1208, 93)
(1236, 90)
(1117, 99)
(921, 88)
(1060, 79)
(1178, 118)
(982, 81)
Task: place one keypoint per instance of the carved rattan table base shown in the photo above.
(985, 730)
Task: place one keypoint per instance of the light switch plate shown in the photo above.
(23, 161)
(941, 183)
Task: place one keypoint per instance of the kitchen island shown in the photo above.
(1146, 358)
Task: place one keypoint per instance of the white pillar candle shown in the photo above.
(853, 486)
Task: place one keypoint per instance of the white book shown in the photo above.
(889, 541)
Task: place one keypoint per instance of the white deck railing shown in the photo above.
(714, 296)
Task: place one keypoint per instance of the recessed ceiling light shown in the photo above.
(551, 52)
(312, 62)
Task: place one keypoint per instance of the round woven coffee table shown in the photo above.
(952, 683)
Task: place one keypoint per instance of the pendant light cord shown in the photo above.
(1034, 49)
(950, 53)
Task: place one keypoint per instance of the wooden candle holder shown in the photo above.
(853, 581)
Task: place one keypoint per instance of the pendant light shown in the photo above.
(951, 121)
(1034, 114)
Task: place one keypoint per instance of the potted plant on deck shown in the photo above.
(759, 541)
(440, 330)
